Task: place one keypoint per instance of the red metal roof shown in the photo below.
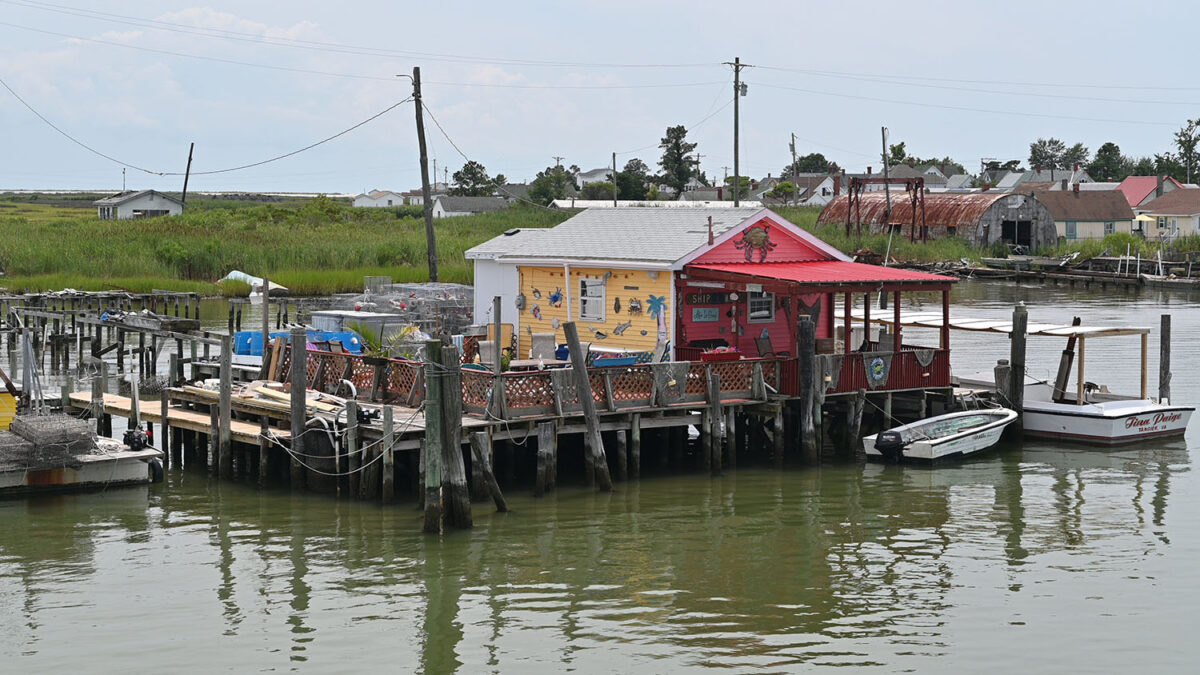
(945, 209)
(1137, 188)
(822, 272)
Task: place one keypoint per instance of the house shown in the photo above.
(812, 189)
(982, 218)
(137, 204)
(1039, 175)
(1087, 214)
(601, 175)
(1141, 190)
(445, 206)
(417, 197)
(1176, 213)
(379, 198)
(639, 280)
(959, 182)
(933, 179)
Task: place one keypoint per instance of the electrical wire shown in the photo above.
(152, 172)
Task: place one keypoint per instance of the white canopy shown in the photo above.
(922, 319)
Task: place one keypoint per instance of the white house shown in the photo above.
(379, 198)
(447, 205)
(137, 204)
(1176, 213)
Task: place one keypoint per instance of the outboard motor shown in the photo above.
(890, 445)
(136, 439)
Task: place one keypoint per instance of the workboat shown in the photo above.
(955, 434)
(1086, 412)
(1103, 418)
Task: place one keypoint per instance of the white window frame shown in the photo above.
(593, 299)
(1110, 228)
(1071, 230)
(761, 297)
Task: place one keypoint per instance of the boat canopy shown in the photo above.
(918, 319)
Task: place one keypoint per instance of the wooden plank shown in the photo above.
(180, 418)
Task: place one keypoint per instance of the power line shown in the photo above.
(135, 167)
(962, 108)
(306, 71)
(328, 46)
(1054, 85)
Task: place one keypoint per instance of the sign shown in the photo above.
(705, 314)
(706, 298)
(754, 288)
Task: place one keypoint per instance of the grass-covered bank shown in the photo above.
(315, 247)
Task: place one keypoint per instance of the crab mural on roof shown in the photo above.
(756, 238)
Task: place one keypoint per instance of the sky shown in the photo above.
(515, 85)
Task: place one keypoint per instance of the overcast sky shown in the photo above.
(516, 84)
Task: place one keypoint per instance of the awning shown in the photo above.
(910, 319)
(822, 273)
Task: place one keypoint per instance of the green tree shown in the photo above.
(1047, 153)
(677, 164)
(1141, 166)
(1168, 164)
(601, 190)
(784, 190)
(1108, 163)
(1186, 140)
(812, 163)
(897, 154)
(1076, 154)
(632, 180)
(472, 181)
(743, 185)
(554, 182)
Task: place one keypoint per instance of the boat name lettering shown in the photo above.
(1141, 423)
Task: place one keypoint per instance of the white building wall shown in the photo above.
(382, 201)
(148, 202)
(491, 279)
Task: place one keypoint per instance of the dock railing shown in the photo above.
(550, 392)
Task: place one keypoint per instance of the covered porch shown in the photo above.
(754, 310)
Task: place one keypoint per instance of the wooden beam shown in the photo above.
(583, 387)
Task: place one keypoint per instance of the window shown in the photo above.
(760, 307)
(1071, 231)
(1161, 222)
(896, 228)
(591, 299)
(952, 231)
(389, 202)
(1109, 228)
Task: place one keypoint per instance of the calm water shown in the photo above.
(1051, 558)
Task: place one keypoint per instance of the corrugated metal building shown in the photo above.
(983, 218)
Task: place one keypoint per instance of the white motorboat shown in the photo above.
(1104, 418)
(110, 465)
(952, 435)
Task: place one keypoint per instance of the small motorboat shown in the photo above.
(952, 435)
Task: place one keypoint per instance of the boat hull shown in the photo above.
(1104, 423)
(957, 445)
(124, 467)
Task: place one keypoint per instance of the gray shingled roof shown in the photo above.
(123, 197)
(513, 241)
(652, 235)
(472, 204)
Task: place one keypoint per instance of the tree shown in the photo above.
(1076, 154)
(1169, 164)
(500, 179)
(1186, 140)
(677, 164)
(1141, 166)
(632, 180)
(813, 163)
(600, 190)
(784, 190)
(554, 182)
(472, 181)
(743, 187)
(896, 154)
(1108, 163)
(1047, 153)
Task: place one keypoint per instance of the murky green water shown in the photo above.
(1040, 557)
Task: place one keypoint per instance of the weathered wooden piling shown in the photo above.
(454, 474)
(635, 446)
(387, 446)
(299, 413)
(583, 386)
(1164, 360)
(433, 439)
(547, 440)
(225, 404)
(1016, 362)
(353, 458)
(715, 417)
(481, 453)
(806, 349)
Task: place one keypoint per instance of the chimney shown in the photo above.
(1038, 168)
(1075, 189)
(868, 171)
(837, 185)
(720, 194)
(1158, 191)
(1076, 167)
(710, 231)
(1064, 184)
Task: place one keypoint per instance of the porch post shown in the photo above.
(867, 316)
(846, 325)
(945, 340)
(896, 321)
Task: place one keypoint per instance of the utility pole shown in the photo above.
(430, 238)
(887, 187)
(557, 161)
(739, 90)
(122, 179)
(795, 173)
(614, 180)
(187, 174)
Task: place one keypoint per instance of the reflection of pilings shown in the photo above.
(1009, 494)
(300, 591)
(441, 631)
(1161, 489)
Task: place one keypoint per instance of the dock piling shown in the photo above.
(583, 387)
(1164, 360)
(481, 454)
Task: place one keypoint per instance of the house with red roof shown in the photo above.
(1140, 190)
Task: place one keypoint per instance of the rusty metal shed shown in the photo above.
(983, 218)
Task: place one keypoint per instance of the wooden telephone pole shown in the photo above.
(738, 91)
(187, 174)
(430, 239)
